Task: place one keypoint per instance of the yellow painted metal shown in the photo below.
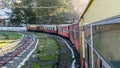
(100, 10)
(83, 38)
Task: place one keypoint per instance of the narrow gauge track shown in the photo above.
(75, 55)
(14, 58)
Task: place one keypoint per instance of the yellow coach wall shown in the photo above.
(101, 9)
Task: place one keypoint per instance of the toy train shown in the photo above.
(62, 30)
(95, 36)
(74, 32)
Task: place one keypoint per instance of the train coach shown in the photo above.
(34, 27)
(63, 30)
(100, 34)
(50, 28)
(74, 36)
(96, 36)
(101, 41)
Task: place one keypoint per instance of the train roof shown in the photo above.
(111, 20)
(35, 24)
(64, 24)
(50, 24)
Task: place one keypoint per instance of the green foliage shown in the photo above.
(49, 50)
(16, 15)
(40, 65)
(53, 11)
(11, 35)
(36, 65)
(40, 11)
(29, 13)
(48, 53)
(21, 14)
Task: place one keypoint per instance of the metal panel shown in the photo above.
(101, 9)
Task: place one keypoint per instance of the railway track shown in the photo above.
(16, 57)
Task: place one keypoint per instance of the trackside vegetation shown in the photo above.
(46, 52)
(8, 37)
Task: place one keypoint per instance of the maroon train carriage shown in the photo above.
(31, 27)
(50, 29)
(71, 33)
(41, 28)
(76, 37)
(107, 29)
(63, 30)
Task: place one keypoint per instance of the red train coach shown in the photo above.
(71, 32)
(63, 30)
(74, 35)
(31, 27)
(40, 28)
(50, 28)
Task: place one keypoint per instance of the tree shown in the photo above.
(29, 13)
(53, 11)
(16, 16)
(45, 11)
(22, 15)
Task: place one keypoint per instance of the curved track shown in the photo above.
(15, 58)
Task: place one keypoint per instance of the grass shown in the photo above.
(3, 44)
(8, 37)
(36, 65)
(48, 52)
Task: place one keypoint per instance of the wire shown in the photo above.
(38, 7)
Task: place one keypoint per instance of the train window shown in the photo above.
(53, 28)
(72, 33)
(77, 33)
(100, 63)
(97, 27)
(60, 29)
(103, 66)
(38, 27)
(65, 29)
(47, 28)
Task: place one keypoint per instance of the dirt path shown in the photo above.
(65, 59)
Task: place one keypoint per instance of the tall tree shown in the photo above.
(52, 11)
(23, 13)
(16, 16)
